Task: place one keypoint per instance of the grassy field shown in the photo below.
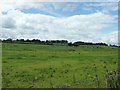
(57, 66)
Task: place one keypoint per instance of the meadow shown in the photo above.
(57, 66)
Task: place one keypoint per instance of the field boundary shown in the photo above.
(0, 65)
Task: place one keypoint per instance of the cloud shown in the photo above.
(64, 6)
(105, 7)
(46, 7)
(60, 1)
(8, 22)
(17, 24)
(59, 8)
(111, 38)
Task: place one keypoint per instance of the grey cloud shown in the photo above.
(8, 22)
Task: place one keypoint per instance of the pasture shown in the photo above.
(57, 66)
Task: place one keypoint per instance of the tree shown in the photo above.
(9, 40)
(70, 44)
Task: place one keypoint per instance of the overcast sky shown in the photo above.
(72, 21)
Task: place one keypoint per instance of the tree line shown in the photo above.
(85, 43)
(51, 42)
(34, 41)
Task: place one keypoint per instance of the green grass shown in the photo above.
(43, 66)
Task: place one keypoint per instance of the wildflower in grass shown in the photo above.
(36, 78)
